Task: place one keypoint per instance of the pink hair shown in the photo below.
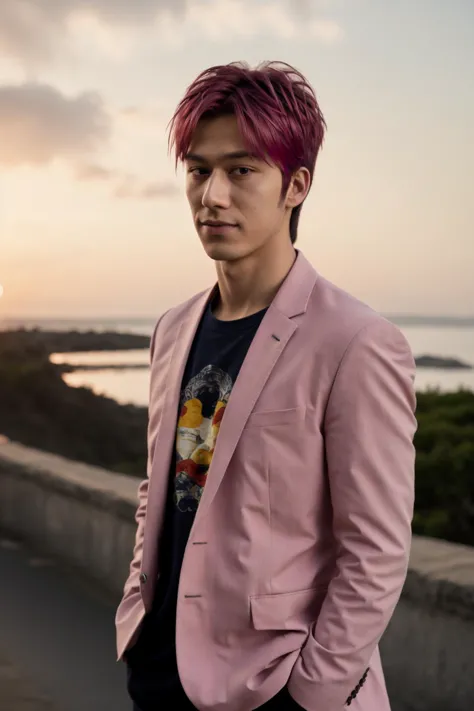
(276, 109)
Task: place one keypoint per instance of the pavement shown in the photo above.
(57, 640)
(18, 693)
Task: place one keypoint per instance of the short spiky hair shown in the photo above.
(276, 109)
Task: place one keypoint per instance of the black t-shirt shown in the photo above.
(215, 359)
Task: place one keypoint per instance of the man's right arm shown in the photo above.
(132, 585)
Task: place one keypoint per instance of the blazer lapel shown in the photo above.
(167, 428)
(177, 364)
(275, 331)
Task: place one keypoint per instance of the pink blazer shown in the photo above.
(300, 545)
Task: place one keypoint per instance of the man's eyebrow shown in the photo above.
(224, 156)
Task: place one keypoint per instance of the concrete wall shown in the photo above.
(85, 516)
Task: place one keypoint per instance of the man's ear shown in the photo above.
(298, 188)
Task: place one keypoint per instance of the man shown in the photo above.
(274, 524)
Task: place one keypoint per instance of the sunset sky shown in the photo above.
(93, 218)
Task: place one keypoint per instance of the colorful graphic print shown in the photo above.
(202, 408)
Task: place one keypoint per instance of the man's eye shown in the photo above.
(242, 171)
(198, 172)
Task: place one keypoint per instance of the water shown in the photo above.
(131, 386)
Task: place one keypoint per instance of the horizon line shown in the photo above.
(121, 317)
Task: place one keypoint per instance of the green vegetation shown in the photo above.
(445, 466)
(38, 409)
(71, 341)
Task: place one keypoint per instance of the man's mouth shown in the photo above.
(217, 223)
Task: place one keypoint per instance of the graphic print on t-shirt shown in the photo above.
(203, 403)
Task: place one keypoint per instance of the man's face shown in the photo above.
(226, 185)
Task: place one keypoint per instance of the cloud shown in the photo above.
(131, 112)
(157, 190)
(125, 185)
(94, 171)
(326, 31)
(151, 112)
(25, 30)
(224, 21)
(130, 187)
(303, 8)
(150, 116)
(33, 31)
(38, 124)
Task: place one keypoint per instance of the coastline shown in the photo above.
(40, 409)
(56, 342)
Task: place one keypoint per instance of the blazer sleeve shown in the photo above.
(132, 584)
(369, 427)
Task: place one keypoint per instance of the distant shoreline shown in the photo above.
(432, 321)
(421, 362)
(429, 361)
(76, 341)
(113, 341)
(41, 407)
(14, 323)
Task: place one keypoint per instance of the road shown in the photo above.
(57, 640)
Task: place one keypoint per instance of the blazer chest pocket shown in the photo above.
(268, 418)
(287, 611)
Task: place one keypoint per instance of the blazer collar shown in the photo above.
(293, 295)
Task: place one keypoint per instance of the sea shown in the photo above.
(436, 336)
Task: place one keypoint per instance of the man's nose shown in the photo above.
(216, 192)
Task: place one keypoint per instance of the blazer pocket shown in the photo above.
(287, 611)
(266, 418)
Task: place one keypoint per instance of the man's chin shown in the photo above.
(222, 252)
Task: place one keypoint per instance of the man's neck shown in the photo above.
(249, 285)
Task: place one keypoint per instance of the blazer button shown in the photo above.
(143, 577)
